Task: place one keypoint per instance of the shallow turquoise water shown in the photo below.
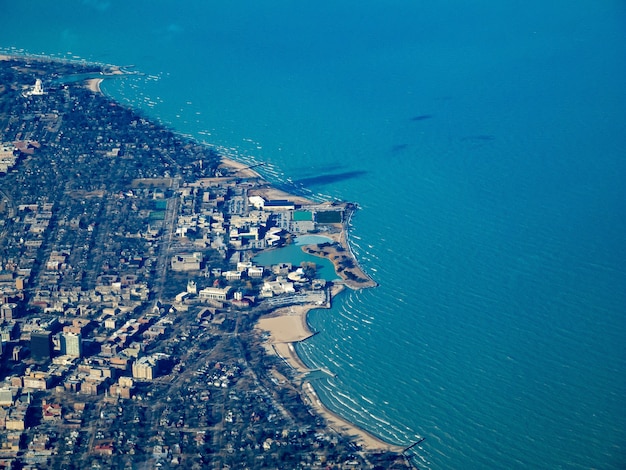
(293, 254)
(484, 142)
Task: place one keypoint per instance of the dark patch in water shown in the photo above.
(478, 138)
(422, 117)
(398, 148)
(317, 170)
(327, 179)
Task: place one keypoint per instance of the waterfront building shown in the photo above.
(257, 201)
(232, 275)
(255, 272)
(277, 287)
(279, 205)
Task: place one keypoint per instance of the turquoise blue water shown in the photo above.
(485, 142)
(293, 254)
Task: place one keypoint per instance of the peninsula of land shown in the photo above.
(136, 327)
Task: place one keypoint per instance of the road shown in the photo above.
(165, 242)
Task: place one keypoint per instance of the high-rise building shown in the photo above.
(145, 368)
(8, 311)
(71, 344)
(41, 345)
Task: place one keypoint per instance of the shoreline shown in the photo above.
(367, 441)
(93, 84)
(265, 189)
(343, 258)
(287, 326)
(345, 262)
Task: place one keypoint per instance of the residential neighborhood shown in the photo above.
(129, 292)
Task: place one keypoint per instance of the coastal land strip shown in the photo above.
(94, 84)
(341, 255)
(288, 325)
(339, 252)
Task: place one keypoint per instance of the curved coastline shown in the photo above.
(274, 323)
(287, 326)
(342, 256)
(94, 84)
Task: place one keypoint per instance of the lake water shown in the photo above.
(294, 255)
(485, 143)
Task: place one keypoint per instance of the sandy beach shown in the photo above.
(363, 438)
(286, 326)
(94, 84)
(239, 169)
(267, 192)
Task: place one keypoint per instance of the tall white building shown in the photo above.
(71, 344)
(38, 88)
(144, 368)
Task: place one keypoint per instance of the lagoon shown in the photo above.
(293, 254)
